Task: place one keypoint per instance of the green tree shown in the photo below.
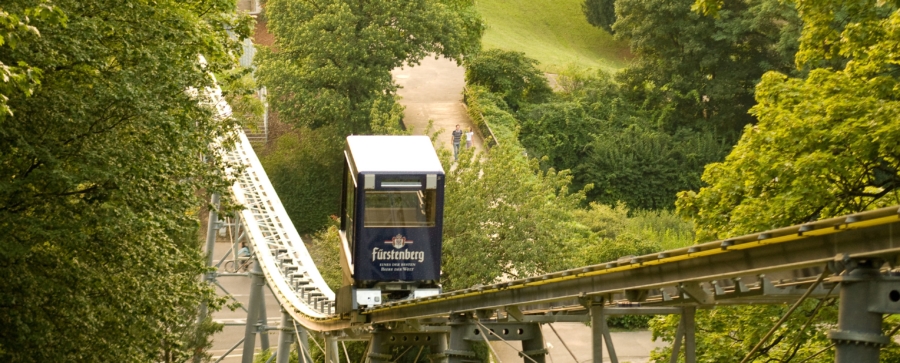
(607, 141)
(701, 70)
(490, 114)
(18, 77)
(239, 90)
(332, 59)
(825, 146)
(600, 13)
(512, 75)
(504, 218)
(557, 132)
(645, 167)
(101, 179)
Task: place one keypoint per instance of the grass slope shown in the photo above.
(555, 32)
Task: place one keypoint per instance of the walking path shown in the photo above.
(633, 347)
(434, 91)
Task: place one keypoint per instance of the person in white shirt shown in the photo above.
(469, 134)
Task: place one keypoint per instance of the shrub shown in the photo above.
(617, 235)
(490, 114)
(307, 176)
(511, 75)
(645, 167)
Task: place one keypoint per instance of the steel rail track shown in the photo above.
(288, 268)
(868, 234)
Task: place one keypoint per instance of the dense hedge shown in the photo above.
(488, 111)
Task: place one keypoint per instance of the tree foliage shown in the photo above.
(825, 145)
(504, 218)
(600, 13)
(646, 167)
(490, 114)
(615, 234)
(239, 89)
(325, 249)
(16, 75)
(101, 178)
(559, 131)
(704, 68)
(332, 59)
(619, 147)
(307, 175)
(512, 75)
(646, 134)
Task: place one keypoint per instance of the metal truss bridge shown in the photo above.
(785, 265)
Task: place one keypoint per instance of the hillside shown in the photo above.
(555, 32)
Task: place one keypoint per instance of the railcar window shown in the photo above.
(413, 208)
(349, 209)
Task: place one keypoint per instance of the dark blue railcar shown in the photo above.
(391, 220)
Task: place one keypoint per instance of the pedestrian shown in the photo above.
(469, 135)
(457, 135)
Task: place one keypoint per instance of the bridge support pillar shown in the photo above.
(253, 311)
(332, 354)
(211, 228)
(263, 319)
(285, 337)
(379, 351)
(534, 347)
(439, 350)
(866, 295)
(600, 333)
(685, 333)
(690, 342)
(459, 350)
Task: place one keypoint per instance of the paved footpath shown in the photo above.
(633, 347)
(433, 91)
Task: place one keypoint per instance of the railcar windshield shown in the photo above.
(400, 208)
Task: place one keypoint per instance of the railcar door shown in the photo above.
(399, 228)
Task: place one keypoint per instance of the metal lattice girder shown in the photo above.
(502, 331)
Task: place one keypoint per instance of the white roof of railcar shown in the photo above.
(394, 154)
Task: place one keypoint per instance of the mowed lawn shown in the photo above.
(555, 32)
